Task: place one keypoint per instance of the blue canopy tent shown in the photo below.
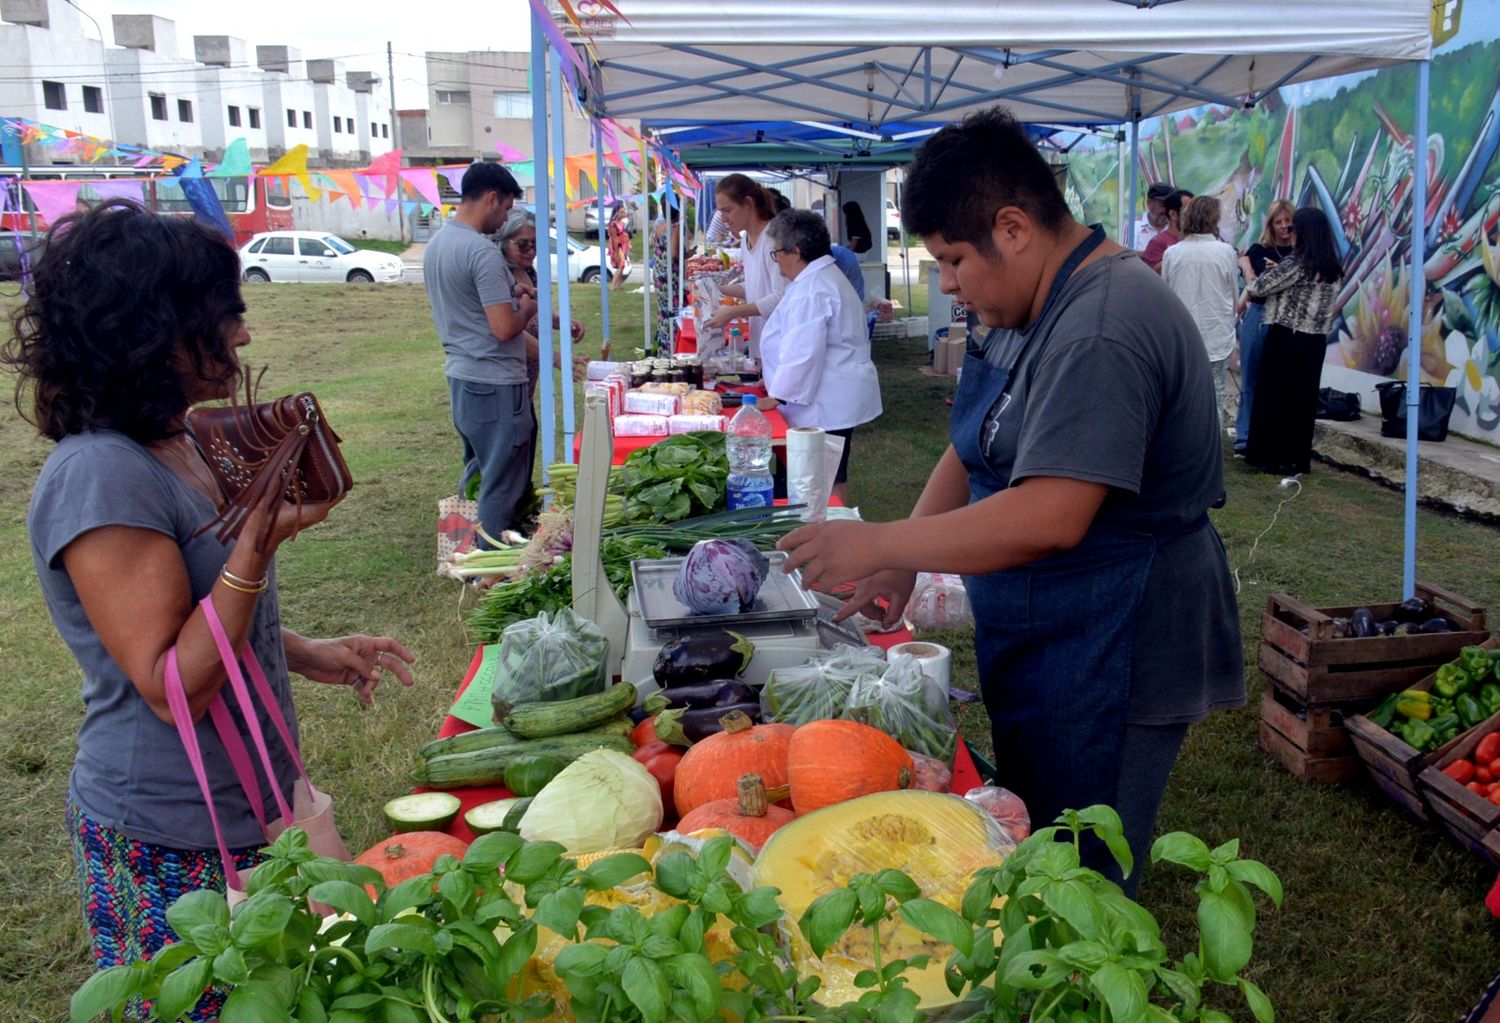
(1093, 63)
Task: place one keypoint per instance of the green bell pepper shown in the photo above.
(1385, 713)
(1470, 710)
(1445, 727)
(1417, 733)
(1441, 705)
(1489, 697)
(1476, 661)
(1452, 680)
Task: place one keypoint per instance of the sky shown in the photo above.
(357, 31)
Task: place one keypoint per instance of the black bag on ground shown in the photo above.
(1435, 405)
(1339, 405)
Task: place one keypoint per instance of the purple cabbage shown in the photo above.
(720, 576)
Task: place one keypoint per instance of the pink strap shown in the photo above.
(273, 708)
(239, 757)
(182, 717)
(247, 705)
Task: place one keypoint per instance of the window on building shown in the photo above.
(158, 107)
(185, 111)
(385, 131)
(513, 104)
(338, 124)
(234, 117)
(374, 130)
(450, 98)
(93, 99)
(54, 96)
(307, 119)
(291, 118)
(254, 116)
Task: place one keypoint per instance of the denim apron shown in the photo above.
(1054, 638)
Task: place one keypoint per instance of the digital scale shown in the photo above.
(788, 625)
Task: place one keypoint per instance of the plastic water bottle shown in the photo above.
(748, 442)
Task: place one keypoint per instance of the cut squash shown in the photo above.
(938, 840)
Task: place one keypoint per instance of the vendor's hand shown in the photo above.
(833, 553)
(357, 661)
(580, 365)
(721, 316)
(577, 329)
(767, 404)
(883, 597)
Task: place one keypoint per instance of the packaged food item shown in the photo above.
(939, 601)
(651, 404)
(1005, 809)
(598, 370)
(702, 403)
(686, 423)
(600, 387)
(547, 658)
(679, 388)
(907, 705)
(640, 426)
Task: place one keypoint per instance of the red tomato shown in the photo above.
(661, 760)
(651, 749)
(1494, 766)
(1482, 774)
(1477, 788)
(1488, 748)
(1460, 771)
(644, 732)
(1494, 796)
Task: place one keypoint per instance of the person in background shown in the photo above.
(857, 229)
(1154, 220)
(1169, 235)
(1274, 246)
(1204, 272)
(132, 319)
(1301, 293)
(664, 258)
(1074, 495)
(618, 236)
(481, 315)
(815, 356)
(746, 208)
(843, 258)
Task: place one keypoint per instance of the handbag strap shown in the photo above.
(247, 704)
(182, 717)
(239, 757)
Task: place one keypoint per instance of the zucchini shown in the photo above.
(500, 737)
(424, 811)
(559, 717)
(527, 776)
(487, 766)
(500, 815)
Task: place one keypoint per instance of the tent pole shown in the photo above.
(1418, 282)
(1135, 163)
(905, 248)
(564, 270)
(548, 413)
(682, 226)
(604, 351)
(648, 322)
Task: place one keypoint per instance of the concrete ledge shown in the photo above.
(1458, 474)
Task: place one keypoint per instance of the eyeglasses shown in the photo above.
(779, 252)
(530, 246)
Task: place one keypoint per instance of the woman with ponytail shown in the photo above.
(746, 209)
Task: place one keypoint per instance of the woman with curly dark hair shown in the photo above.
(133, 318)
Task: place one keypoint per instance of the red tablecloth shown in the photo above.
(625, 445)
(685, 338)
(965, 774)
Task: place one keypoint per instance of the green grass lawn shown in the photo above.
(1382, 921)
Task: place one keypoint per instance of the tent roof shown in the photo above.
(873, 62)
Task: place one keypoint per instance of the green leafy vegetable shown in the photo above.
(681, 476)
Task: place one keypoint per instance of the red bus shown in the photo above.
(253, 204)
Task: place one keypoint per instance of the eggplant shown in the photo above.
(1362, 623)
(702, 657)
(1387, 627)
(718, 693)
(1414, 610)
(685, 725)
(1436, 625)
(1408, 629)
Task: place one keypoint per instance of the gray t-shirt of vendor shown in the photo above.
(465, 272)
(1116, 389)
(131, 773)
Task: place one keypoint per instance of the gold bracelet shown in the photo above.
(234, 582)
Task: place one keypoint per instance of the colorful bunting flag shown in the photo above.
(236, 162)
(53, 199)
(424, 182)
(294, 165)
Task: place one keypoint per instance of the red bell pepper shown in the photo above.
(1461, 771)
(1488, 748)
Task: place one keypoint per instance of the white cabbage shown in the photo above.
(603, 800)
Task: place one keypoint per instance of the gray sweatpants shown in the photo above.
(496, 423)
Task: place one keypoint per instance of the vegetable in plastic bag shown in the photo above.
(1005, 809)
(818, 689)
(720, 576)
(929, 773)
(907, 705)
(602, 800)
(548, 658)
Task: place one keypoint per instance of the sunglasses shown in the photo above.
(526, 245)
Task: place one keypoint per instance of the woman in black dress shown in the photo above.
(1300, 301)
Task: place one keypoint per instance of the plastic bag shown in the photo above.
(908, 706)
(818, 689)
(549, 658)
(1005, 809)
(931, 774)
(939, 601)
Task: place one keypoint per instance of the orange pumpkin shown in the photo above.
(711, 769)
(410, 855)
(747, 816)
(831, 761)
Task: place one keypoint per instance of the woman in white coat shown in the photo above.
(1204, 272)
(815, 351)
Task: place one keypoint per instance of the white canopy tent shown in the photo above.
(864, 65)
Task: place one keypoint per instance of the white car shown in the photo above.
(314, 257)
(584, 262)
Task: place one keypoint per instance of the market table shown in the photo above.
(625, 445)
(965, 774)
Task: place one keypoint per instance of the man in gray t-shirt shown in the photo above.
(481, 316)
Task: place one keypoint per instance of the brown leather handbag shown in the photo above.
(283, 446)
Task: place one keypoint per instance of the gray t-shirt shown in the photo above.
(131, 772)
(465, 272)
(1115, 388)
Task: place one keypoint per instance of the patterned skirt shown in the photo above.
(127, 886)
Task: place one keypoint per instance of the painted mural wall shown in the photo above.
(1346, 146)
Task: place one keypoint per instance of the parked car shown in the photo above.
(12, 244)
(314, 256)
(892, 220)
(584, 262)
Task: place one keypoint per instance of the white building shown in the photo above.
(53, 72)
(334, 114)
(232, 101)
(289, 99)
(154, 90)
(372, 108)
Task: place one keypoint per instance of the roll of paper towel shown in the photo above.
(809, 480)
(936, 661)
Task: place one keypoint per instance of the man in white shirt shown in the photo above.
(1154, 220)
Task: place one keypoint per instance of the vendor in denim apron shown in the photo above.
(1085, 455)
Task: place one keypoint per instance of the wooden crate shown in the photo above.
(1468, 817)
(1310, 742)
(1298, 651)
(1392, 764)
